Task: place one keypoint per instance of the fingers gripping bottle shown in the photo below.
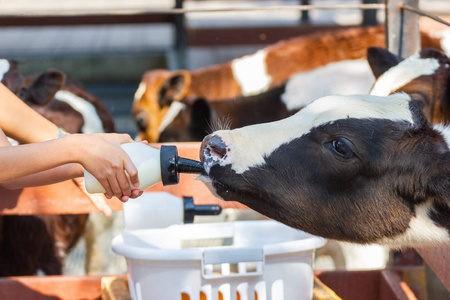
(153, 166)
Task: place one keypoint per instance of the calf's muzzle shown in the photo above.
(213, 145)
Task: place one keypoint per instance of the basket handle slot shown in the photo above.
(248, 261)
(230, 255)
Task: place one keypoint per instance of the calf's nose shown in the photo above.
(213, 145)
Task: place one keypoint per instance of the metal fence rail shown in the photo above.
(418, 11)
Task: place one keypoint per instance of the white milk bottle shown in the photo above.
(161, 209)
(153, 166)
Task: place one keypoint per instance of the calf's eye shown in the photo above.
(341, 147)
(141, 121)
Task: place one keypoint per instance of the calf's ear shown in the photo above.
(174, 88)
(381, 60)
(43, 88)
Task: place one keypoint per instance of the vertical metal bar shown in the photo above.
(181, 38)
(402, 28)
(304, 19)
(369, 15)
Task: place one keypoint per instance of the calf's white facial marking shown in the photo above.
(92, 122)
(251, 73)
(140, 91)
(324, 110)
(403, 73)
(174, 110)
(445, 131)
(4, 67)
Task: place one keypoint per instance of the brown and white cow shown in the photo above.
(424, 75)
(78, 111)
(363, 169)
(70, 106)
(157, 100)
(199, 116)
(29, 243)
(46, 92)
(337, 78)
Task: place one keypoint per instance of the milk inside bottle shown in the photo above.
(153, 166)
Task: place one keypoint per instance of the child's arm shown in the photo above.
(54, 175)
(99, 154)
(26, 126)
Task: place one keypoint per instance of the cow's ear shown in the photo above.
(200, 121)
(381, 60)
(174, 88)
(43, 88)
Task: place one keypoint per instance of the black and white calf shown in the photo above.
(363, 169)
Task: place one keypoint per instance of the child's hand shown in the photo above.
(102, 156)
(134, 194)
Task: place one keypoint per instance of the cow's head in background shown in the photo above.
(362, 169)
(166, 108)
(65, 103)
(425, 76)
(199, 116)
(158, 101)
(37, 89)
(248, 75)
(74, 98)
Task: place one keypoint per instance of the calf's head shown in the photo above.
(65, 103)
(362, 169)
(38, 89)
(157, 101)
(199, 116)
(425, 76)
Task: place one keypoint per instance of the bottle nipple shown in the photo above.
(172, 165)
(191, 210)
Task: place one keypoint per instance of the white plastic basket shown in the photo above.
(265, 260)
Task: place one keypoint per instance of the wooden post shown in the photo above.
(369, 15)
(181, 37)
(438, 260)
(402, 28)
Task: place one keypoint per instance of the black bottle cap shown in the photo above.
(191, 210)
(172, 165)
(168, 159)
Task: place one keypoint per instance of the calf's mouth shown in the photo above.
(212, 151)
